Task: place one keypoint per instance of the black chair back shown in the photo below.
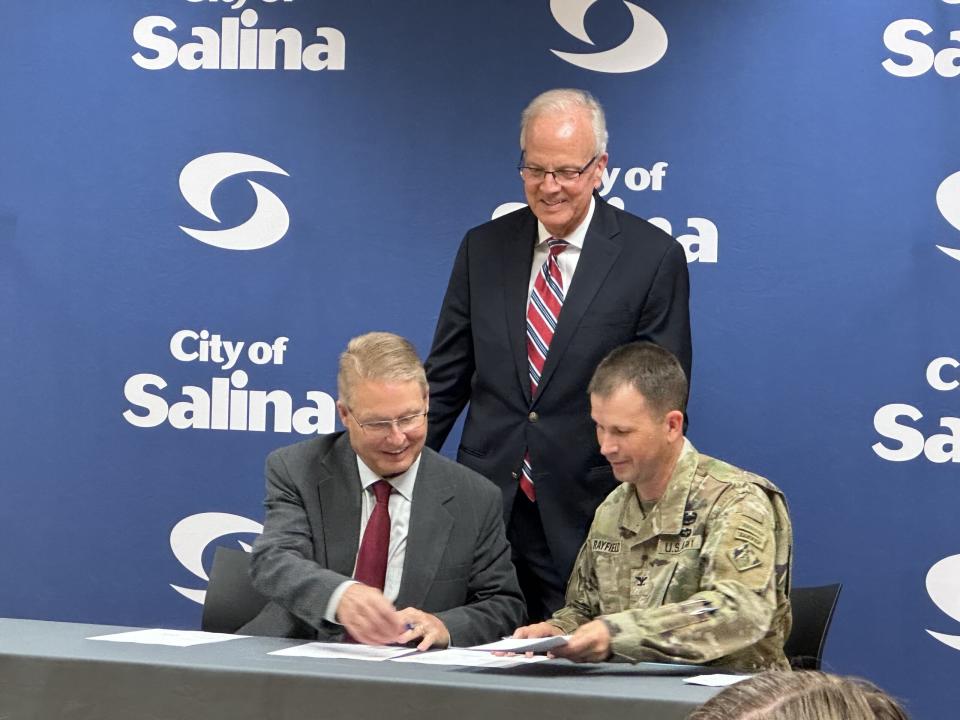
(812, 613)
(231, 601)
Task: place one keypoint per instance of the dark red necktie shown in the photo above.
(372, 558)
(543, 311)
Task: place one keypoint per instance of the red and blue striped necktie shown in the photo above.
(543, 311)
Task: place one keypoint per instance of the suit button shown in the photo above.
(533, 417)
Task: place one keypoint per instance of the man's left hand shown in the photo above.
(423, 625)
(590, 643)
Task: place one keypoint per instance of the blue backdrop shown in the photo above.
(159, 206)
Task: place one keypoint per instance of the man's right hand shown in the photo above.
(368, 616)
(538, 630)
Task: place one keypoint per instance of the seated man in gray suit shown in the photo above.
(361, 523)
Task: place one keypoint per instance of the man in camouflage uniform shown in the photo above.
(689, 559)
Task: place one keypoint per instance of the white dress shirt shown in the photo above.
(568, 259)
(399, 505)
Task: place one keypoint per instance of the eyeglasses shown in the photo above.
(384, 428)
(564, 176)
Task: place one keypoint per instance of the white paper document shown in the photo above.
(467, 657)
(176, 638)
(345, 651)
(715, 680)
(518, 645)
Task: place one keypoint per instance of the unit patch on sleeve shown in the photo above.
(744, 558)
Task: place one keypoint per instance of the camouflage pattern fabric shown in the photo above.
(703, 578)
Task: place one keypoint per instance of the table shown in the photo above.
(50, 671)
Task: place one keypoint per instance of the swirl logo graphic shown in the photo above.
(644, 47)
(948, 200)
(943, 587)
(269, 222)
(191, 536)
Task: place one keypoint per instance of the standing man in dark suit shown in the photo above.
(536, 299)
(364, 522)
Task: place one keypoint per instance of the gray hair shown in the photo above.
(379, 356)
(565, 100)
(649, 369)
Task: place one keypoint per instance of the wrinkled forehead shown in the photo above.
(624, 403)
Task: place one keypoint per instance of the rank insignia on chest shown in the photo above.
(744, 557)
(607, 546)
(685, 532)
(645, 583)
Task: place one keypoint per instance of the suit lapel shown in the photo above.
(430, 526)
(601, 246)
(339, 489)
(517, 255)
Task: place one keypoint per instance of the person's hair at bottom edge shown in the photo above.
(802, 695)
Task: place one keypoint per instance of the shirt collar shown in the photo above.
(577, 236)
(666, 517)
(402, 483)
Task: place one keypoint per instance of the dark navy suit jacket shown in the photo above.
(631, 283)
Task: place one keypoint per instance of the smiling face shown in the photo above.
(641, 446)
(554, 141)
(373, 400)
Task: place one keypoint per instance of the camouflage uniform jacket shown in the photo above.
(703, 578)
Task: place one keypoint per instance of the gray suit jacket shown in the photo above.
(457, 564)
